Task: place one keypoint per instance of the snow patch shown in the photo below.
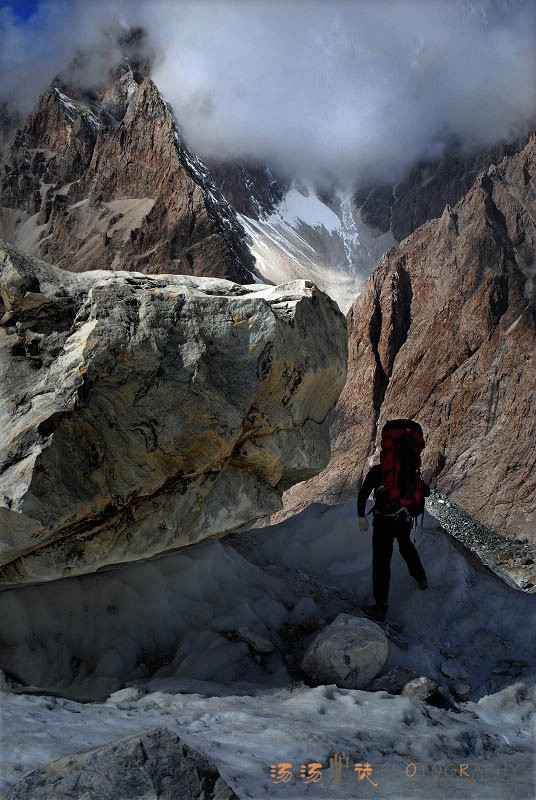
(307, 208)
(183, 631)
(65, 101)
(305, 238)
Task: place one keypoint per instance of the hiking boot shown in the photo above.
(378, 611)
(422, 582)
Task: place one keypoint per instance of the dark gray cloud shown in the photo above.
(323, 89)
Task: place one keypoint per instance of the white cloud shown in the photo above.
(323, 89)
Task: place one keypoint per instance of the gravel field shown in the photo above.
(515, 560)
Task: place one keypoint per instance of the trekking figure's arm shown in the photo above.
(366, 488)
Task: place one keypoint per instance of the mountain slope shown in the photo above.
(322, 238)
(445, 332)
(428, 187)
(104, 179)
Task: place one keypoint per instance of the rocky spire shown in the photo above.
(103, 179)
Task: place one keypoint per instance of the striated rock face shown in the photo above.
(427, 188)
(251, 188)
(156, 764)
(444, 332)
(10, 120)
(141, 414)
(104, 180)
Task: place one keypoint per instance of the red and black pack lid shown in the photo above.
(402, 424)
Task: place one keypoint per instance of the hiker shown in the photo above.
(399, 493)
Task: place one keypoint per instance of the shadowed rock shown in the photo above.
(349, 652)
(151, 766)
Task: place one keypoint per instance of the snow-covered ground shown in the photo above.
(306, 238)
(175, 631)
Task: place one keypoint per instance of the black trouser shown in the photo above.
(385, 531)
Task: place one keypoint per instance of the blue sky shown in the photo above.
(22, 9)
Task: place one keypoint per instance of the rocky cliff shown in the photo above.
(428, 187)
(141, 414)
(251, 188)
(444, 332)
(10, 120)
(103, 179)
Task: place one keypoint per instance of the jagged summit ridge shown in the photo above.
(103, 179)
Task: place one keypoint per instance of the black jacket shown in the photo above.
(371, 482)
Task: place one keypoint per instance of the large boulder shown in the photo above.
(156, 765)
(349, 652)
(141, 414)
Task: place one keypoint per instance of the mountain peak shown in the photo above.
(104, 179)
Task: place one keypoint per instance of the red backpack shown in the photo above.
(401, 489)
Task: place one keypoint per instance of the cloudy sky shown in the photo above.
(325, 90)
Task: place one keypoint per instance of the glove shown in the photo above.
(363, 524)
